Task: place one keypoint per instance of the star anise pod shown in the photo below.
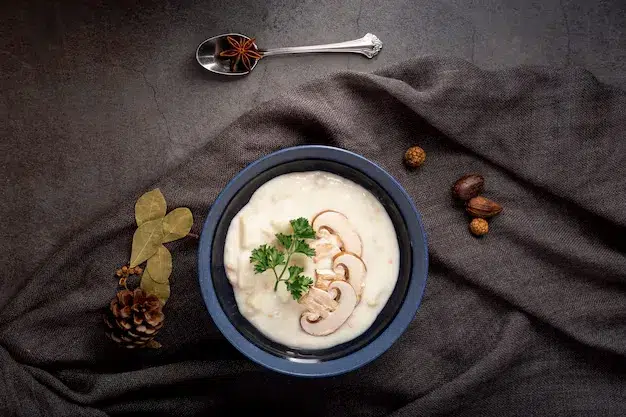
(241, 51)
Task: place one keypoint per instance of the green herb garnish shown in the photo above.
(269, 257)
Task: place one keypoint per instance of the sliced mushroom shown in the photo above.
(315, 325)
(326, 236)
(353, 267)
(319, 303)
(324, 277)
(339, 225)
(324, 250)
(326, 246)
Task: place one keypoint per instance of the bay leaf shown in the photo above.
(146, 241)
(160, 265)
(177, 224)
(150, 206)
(162, 291)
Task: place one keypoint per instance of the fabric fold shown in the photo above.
(529, 320)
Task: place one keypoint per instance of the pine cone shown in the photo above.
(134, 318)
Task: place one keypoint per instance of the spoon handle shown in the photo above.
(368, 45)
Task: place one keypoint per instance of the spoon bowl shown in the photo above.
(208, 55)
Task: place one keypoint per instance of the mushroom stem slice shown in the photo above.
(324, 250)
(324, 277)
(353, 267)
(316, 326)
(318, 302)
(326, 236)
(338, 224)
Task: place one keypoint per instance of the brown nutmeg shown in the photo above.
(482, 207)
(414, 156)
(468, 186)
(479, 227)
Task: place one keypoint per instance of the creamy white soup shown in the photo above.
(354, 268)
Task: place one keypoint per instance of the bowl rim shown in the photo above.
(417, 280)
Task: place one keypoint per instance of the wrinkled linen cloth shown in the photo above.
(529, 320)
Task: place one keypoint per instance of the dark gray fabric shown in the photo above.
(530, 320)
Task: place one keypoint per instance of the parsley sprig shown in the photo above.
(270, 257)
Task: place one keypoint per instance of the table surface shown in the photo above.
(86, 84)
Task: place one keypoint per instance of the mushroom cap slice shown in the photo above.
(339, 225)
(353, 268)
(316, 326)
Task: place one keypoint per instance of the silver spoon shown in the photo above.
(208, 52)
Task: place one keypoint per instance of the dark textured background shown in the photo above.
(527, 321)
(86, 85)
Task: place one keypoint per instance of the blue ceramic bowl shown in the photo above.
(394, 317)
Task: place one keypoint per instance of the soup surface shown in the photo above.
(354, 270)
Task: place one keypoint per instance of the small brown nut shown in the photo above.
(482, 207)
(479, 227)
(414, 156)
(138, 270)
(468, 186)
(124, 269)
